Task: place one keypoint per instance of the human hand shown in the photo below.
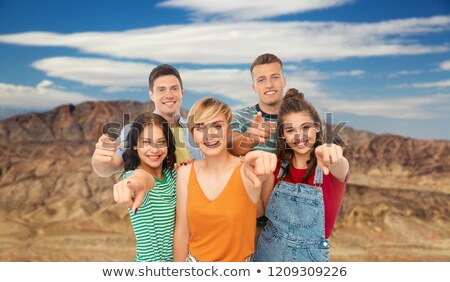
(131, 191)
(260, 130)
(327, 155)
(258, 166)
(105, 149)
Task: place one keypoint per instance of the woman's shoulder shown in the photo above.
(183, 170)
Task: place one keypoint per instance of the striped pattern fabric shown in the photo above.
(154, 222)
(242, 120)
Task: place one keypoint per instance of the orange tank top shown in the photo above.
(223, 229)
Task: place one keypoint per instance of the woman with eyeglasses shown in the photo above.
(303, 197)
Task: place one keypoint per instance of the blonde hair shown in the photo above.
(205, 109)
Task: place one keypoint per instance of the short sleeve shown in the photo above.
(237, 124)
(242, 119)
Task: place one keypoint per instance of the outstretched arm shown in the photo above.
(105, 161)
(331, 160)
(258, 166)
(241, 144)
(181, 233)
(266, 190)
(258, 133)
(137, 184)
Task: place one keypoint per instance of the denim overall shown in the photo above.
(296, 227)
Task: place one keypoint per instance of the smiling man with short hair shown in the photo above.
(166, 91)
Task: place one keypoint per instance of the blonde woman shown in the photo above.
(217, 198)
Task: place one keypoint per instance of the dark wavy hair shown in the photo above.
(295, 102)
(131, 158)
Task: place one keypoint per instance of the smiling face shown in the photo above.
(212, 135)
(152, 147)
(167, 95)
(300, 132)
(269, 83)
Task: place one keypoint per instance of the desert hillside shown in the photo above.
(53, 207)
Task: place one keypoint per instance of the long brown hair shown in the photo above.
(295, 102)
(131, 158)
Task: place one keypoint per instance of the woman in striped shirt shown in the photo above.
(149, 164)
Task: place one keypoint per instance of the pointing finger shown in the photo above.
(126, 196)
(132, 185)
(320, 152)
(324, 168)
(326, 155)
(333, 155)
(258, 118)
(256, 182)
(104, 138)
(339, 151)
(250, 159)
(273, 162)
(138, 201)
(258, 133)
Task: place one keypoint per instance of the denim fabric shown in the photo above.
(296, 227)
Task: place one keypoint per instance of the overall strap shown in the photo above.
(284, 164)
(318, 177)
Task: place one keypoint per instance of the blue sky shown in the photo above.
(383, 66)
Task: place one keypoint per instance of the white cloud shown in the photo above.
(241, 42)
(290, 67)
(40, 97)
(313, 75)
(349, 73)
(442, 83)
(236, 84)
(445, 65)
(397, 108)
(249, 10)
(116, 76)
(404, 72)
(43, 84)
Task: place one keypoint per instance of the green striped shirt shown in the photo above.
(242, 120)
(154, 222)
